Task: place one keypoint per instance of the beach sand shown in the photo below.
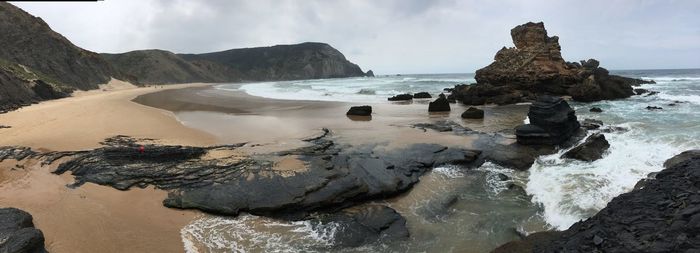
(94, 218)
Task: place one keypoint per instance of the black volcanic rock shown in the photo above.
(552, 121)
(663, 215)
(652, 108)
(439, 105)
(535, 66)
(422, 95)
(18, 233)
(473, 113)
(369, 73)
(364, 110)
(595, 109)
(308, 60)
(358, 226)
(591, 149)
(401, 97)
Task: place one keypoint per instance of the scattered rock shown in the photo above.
(640, 91)
(439, 105)
(401, 97)
(473, 113)
(364, 110)
(591, 149)
(596, 109)
(651, 93)
(591, 124)
(422, 95)
(654, 108)
(18, 232)
(443, 126)
(552, 121)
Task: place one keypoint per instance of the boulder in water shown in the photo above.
(552, 121)
(473, 113)
(640, 91)
(591, 149)
(596, 109)
(651, 108)
(439, 105)
(362, 225)
(422, 95)
(591, 124)
(364, 110)
(401, 97)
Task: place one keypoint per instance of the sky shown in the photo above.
(390, 36)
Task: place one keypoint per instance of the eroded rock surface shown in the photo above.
(590, 150)
(18, 234)
(361, 225)
(552, 122)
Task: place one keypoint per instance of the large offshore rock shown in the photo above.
(535, 66)
(552, 121)
(18, 234)
(661, 216)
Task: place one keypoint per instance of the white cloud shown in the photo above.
(390, 36)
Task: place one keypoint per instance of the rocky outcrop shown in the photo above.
(364, 110)
(595, 109)
(362, 225)
(218, 180)
(422, 95)
(552, 122)
(473, 113)
(439, 105)
(535, 66)
(401, 97)
(662, 215)
(18, 234)
(590, 150)
(308, 60)
(20, 88)
(369, 73)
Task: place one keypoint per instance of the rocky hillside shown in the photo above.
(162, 67)
(660, 215)
(29, 41)
(535, 66)
(284, 62)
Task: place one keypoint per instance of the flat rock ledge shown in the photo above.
(18, 234)
(661, 215)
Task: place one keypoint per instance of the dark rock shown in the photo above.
(439, 105)
(363, 225)
(640, 91)
(503, 177)
(443, 126)
(591, 124)
(401, 97)
(369, 73)
(364, 110)
(451, 98)
(448, 89)
(422, 95)
(3, 126)
(651, 93)
(651, 108)
(18, 232)
(590, 150)
(661, 216)
(596, 109)
(473, 113)
(552, 121)
(535, 66)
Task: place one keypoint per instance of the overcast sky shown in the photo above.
(400, 36)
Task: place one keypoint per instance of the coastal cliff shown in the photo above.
(535, 67)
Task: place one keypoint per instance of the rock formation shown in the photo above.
(661, 215)
(358, 226)
(401, 97)
(364, 110)
(422, 95)
(552, 122)
(473, 113)
(591, 149)
(18, 234)
(439, 105)
(535, 66)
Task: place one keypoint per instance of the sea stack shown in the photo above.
(552, 122)
(534, 67)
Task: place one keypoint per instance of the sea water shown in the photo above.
(561, 191)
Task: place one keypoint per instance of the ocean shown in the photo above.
(561, 191)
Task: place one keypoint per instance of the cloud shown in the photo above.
(390, 36)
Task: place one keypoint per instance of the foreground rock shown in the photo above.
(661, 216)
(473, 113)
(535, 66)
(590, 150)
(364, 110)
(358, 226)
(18, 234)
(216, 180)
(552, 122)
(439, 105)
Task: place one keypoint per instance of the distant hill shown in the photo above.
(37, 63)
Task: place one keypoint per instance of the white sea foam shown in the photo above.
(449, 171)
(695, 99)
(572, 190)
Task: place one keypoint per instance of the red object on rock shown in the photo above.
(142, 149)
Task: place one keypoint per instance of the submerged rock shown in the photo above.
(591, 124)
(439, 105)
(401, 97)
(364, 110)
(591, 149)
(661, 216)
(596, 109)
(640, 91)
(651, 108)
(552, 121)
(363, 225)
(18, 234)
(473, 113)
(422, 95)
